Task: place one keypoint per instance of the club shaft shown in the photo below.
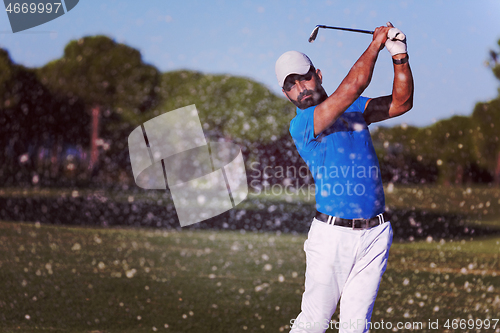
(346, 29)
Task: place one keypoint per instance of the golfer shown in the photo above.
(348, 243)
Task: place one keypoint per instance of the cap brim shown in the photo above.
(302, 70)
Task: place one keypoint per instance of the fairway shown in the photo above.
(76, 279)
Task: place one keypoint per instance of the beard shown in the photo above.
(315, 97)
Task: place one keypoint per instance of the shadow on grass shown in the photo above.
(262, 216)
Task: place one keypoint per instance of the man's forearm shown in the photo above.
(361, 72)
(353, 85)
(402, 88)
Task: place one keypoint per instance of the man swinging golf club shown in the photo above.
(348, 243)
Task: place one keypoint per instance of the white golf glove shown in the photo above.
(396, 41)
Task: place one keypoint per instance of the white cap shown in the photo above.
(291, 62)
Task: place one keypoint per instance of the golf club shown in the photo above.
(314, 34)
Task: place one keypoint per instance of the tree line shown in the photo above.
(458, 150)
(67, 123)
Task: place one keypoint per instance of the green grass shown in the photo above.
(481, 204)
(62, 279)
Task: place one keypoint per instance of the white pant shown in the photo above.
(343, 262)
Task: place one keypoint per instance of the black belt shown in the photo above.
(352, 223)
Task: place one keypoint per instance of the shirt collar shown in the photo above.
(299, 111)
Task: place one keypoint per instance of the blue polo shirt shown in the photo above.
(343, 163)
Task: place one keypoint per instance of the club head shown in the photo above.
(314, 34)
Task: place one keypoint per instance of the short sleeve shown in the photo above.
(302, 130)
(360, 103)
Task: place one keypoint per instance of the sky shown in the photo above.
(448, 42)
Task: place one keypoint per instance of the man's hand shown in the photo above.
(380, 36)
(401, 100)
(396, 40)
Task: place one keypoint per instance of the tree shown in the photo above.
(229, 107)
(487, 115)
(494, 62)
(108, 78)
(29, 115)
(103, 73)
(404, 155)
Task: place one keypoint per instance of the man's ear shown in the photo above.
(319, 75)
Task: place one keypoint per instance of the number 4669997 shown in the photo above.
(471, 324)
(32, 8)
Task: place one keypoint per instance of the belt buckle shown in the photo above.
(358, 219)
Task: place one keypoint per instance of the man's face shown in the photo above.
(304, 90)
